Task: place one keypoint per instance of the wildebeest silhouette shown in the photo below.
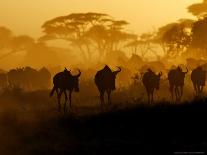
(151, 82)
(176, 79)
(16, 78)
(29, 78)
(198, 77)
(3, 80)
(105, 82)
(64, 81)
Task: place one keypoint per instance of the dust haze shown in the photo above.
(82, 45)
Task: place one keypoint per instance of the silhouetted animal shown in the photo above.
(105, 82)
(176, 79)
(64, 81)
(16, 78)
(29, 78)
(198, 77)
(151, 82)
(44, 78)
(3, 80)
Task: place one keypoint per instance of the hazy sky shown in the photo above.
(27, 16)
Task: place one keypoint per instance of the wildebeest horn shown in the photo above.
(116, 72)
(67, 69)
(79, 74)
(119, 69)
(160, 74)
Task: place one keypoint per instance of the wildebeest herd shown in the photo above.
(104, 80)
(26, 78)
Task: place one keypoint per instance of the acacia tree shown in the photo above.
(73, 28)
(11, 44)
(199, 36)
(175, 38)
(5, 37)
(86, 31)
(144, 44)
(108, 38)
(198, 9)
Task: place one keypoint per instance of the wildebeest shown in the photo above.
(44, 78)
(3, 80)
(64, 81)
(16, 78)
(105, 82)
(198, 77)
(151, 82)
(29, 79)
(176, 79)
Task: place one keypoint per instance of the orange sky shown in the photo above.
(27, 16)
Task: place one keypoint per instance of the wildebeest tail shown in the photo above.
(52, 91)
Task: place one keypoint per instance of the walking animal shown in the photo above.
(63, 82)
(198, 77)
(3, 80)
(151, 82)
(176, 79)
(105, 82)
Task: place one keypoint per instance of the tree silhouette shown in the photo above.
(198, 9)
(86, 31)
(199, 36)
(108, 38)
(18, 44)
(10, 44)
(5, 37)
(73, 28)
(175, 38)
(145, 43)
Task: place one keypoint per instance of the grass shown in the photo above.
(30, 124)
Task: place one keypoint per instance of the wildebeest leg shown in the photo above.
(102, 97)
(152, 96)
(66, 99)
(148, 95)
(195, 88)
(181, 93)
(57, 92)
(109, 96)
(172, 93)
(52, 91)
(70, 98)
(176, 93)
(59, 99)
(200, 90)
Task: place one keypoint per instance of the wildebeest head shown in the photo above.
(75, 81)
(182, 75)
(67, 72)
(157, 80)
(114, 74)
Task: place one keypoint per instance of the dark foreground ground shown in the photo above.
(169, 129)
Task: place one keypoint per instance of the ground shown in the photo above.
(30, 124)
